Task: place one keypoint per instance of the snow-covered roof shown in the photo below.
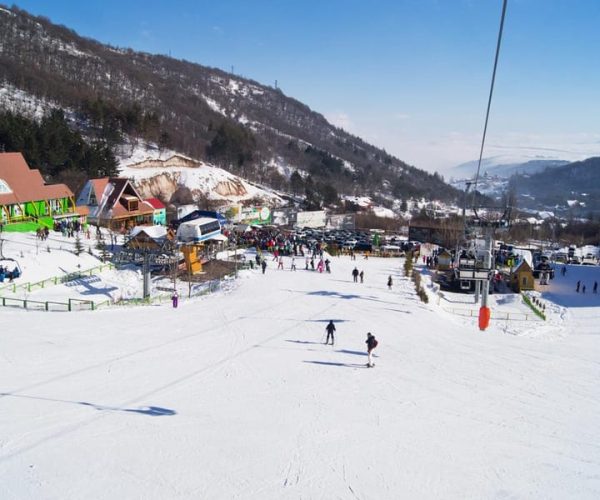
(155, 232)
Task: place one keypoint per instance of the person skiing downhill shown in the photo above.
(371, 344)
(389, 282)
(330, 328)
(355, 275)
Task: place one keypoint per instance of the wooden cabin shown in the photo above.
(521, 277)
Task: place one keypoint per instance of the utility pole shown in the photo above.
(235, 257)
(146, 274)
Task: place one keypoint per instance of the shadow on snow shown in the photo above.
(333, 363)
(153, 411)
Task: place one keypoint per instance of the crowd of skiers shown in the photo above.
(278, 243)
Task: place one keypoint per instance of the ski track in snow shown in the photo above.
(253, 405)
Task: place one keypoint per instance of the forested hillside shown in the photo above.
(572, 188)
(255, 131)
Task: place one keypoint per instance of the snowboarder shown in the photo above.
(175, 299)
(330, 328)
(389, 283)
(371, 344)
(355, 275)
(362, 276)
(263, 264)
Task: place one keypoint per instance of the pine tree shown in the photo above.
(78, 245)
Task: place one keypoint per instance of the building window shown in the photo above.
(4, 187)
(55, 206)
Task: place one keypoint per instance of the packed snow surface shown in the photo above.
(234, 395)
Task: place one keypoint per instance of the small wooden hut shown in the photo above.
(521, 277)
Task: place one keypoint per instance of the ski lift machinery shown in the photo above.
(486, 220)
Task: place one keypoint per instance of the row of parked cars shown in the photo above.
(357, 240)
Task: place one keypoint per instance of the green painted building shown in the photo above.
(27, 202)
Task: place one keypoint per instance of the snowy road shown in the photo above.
(235, 396)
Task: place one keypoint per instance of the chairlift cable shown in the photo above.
(487, 114)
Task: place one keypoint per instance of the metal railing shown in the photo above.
(499, 315)
(90, 305)
(49, 305)
(55, 280)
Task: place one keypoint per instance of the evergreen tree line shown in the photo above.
(112, 122)
(61, 154)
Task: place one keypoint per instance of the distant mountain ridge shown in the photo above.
(253, 130)
(505, 166)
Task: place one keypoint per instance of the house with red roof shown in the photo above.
(27, 202)
(114, 202)
(160, 212)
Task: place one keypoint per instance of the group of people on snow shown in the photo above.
(371, 342)
(324, 264)
(581, 287)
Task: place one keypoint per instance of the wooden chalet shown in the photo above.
(114, 202)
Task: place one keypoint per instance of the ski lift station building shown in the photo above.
(198, 230)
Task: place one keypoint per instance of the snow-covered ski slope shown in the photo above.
(234, 396)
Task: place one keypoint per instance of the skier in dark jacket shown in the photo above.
(355, 275)
(389, 282)
(371, 344)
(263, 264)
(330, 328)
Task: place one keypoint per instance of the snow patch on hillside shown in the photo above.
(20, 102)
(214, 105)
(213, 182)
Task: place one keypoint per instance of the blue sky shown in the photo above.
(411, 76)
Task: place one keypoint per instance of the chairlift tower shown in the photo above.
(164, 255)
(484, 224)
